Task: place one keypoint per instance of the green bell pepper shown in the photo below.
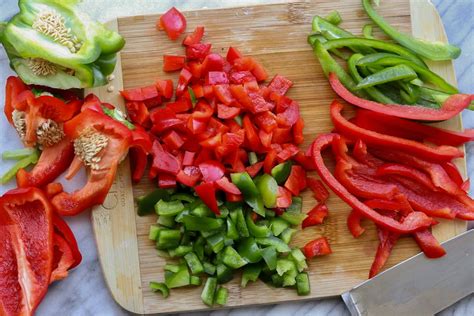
(279, 245)
(23, 163)
(168, 239)
(333, 17)
(221, 296)
(251, 194)
(216, 242)
(268, 188)
(269, 255)
(367, 31)
(256, 230)
(160, 287)
(171, 208)
(232, 259)
(302, 284)
(147, 202)
(180, 251)
(167, 221)
(238, 219)
(202, 224)
(250, 273)
(278, 225)
(208, 291)
(179, 278)
(298, 258)
(395, 73)
(209, 268)
(429, 50)
(18, 154)
(249, 250)
(194, 263)
(223, 273)
(154, 231)
(281, 172)
(287, 235)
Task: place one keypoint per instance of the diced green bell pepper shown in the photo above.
(179, 278)
(269, 255)
(168, 239)
(147, 202)
(221, 296)
(224, 273)
(216, 242)
(208, 291)
(154, 231)
(298, 258)
(248, 188)
(279, 245)
(209, 268)
(250, 273)
(171, 208)
(249, 250)
(238, 218)
(232, 231)
(302, 284)
(287, 234)
(167, 221)
(202, 224)
(194, 263)
(160, 287)
(278, 225)
(232, 258)
(268, 188)
(281, 171)
(333, 17)
(256, 230)
(180, 251)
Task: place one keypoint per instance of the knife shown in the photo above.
(418, 285)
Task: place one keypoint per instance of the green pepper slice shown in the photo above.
(395, 73)
(160, 287)
(250, 273)
(251, 194)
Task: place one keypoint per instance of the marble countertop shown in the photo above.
(84, 291)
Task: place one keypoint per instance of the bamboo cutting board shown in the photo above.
(276, 35)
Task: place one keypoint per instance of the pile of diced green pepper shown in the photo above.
(201, 244)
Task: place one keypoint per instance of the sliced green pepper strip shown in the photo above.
(333, 17)
(373, 92)
(299, 259)
(193, 263)
(256, 230)
(171, 208)
(390, 74)
(409, 93)
(168, 239)
(208, 291)
(232, 258)
(424, 74)
(269, 255)
(249, 250)
(179, 278)
(279, 245)
(221, 296)
(376, 44)
(314, 37)
(202, 224)
(23, 163)
(250, 273)
(429, 50)
(147, 202)
(281, 171)
(180, 251)
(303, 284)
(367, 31)
(18, 154)
(160, 287)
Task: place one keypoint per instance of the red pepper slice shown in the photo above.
(317, 247)
(62, 229)
(283, 198)
(296, 180)
(353, 224)
(195, 37)
(138, 162)
(450, 108)
(233, 54)
(173, 63)
(453, 173)
(414, 221)
(406, 171)
(394, 126)
(207, 193)
(428, 244)
(280, 84)
(321, 194)
(189, 176)
(53, 161)
(387, 240)
(198, 51)
(254, 169)
(225, 185)
(441, 153)
(211, 170)
(173, 22)
(26, 250)
(316, 216)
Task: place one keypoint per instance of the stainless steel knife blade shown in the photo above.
(419, 285)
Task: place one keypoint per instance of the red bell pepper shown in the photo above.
(289, 150)
(414, 221)
(280, 84)
(173, 22)
(266, 121)
(241, 77)
(453, 173)
(254, 169)
(296, 180)
(251, 135)
(166, 181)
(53, 161)
(173, 140)
(317, 247)
(321, 194)
(428, 244)
(62, 259)
(195, 37)
(207, 193)
(211, 170)
(225, 185)
(233, 54)
(406, 171)
(289, 116)
(26, 250)
(62, 229)
(138, 162)
(450, 108)
(100, 143)
(212, 62)
(13, 88)
(227, 112)
(189, 176)
(163, 161)
(165, 88)
(185, 77)
(353, 224)
(387, 240)
(351, 131)
(283, 198)
(198, 51)
(298, 131)
(394, 126)
(316, 216)
(138, 112)
(173, 63)
(222, 92)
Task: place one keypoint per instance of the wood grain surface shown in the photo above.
(276, 36)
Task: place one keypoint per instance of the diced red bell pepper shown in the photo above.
(298, 131)
(213, 62)
(216, 77)
(189, 176)
(258, 103)
(266, 121)
(283, 198)
(138, 94)
(317, 247)
(270, 161)
(251, 134)
(386, 242)
(227, 112)
(406, 171)
(289, 116)
(138, 112)
(173, 22)
(198, 50)
(254, 169)
(166, 181)
(241, 77)
(280, 84)
(173, 63)
(207, 193)
(183, 81)
(212, 142)
(282, 135)
(353, 224)
(265, 138)
(240, 94)
(188, 159)
(195, 37)
(351, 131)
(165, 88)
(296, 180)
(163, 161)
(138, 162)
(233, 54)
(321, 194)
(450, 108)
(222, 92)
(305, 161)
(180, 106)
(233, 197)
(173, 140)
(316, 216)
(163, 119)
(211, 170)
(244, 63)
(289, 150)
(225, 185)
(259, 72)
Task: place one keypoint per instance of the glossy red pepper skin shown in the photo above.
(407, 172)
(53, 161)
(173, 22)
(225, 185)
(296, 181)
(62, 229)
(26, 250)
(321, 194)
(353, 224)
(394, 126)
(195, 37)
(317, 247)
(62, 259)
(386, 242)
(138, 163)
(189, 176)
(428, 244)
(173, 63)
(207, 193)
(450, 108)
(315, 216)
(351, 131)
(414, 221)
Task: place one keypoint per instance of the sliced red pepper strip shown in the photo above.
(225, 185)
(321, 194)
(453, 173)
(450, 108)
(207, 193)
(62, 228)
(316, 216)
(296, 180)
(394, 126)
(414, 221)
(53, 161)
(353, 224)
(440, 154)
(407, 172)
(26, 250)
(63, 259)
(317, 247)
(428, 244)
(387, 240)
(138, 162)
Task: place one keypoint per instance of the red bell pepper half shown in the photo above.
(173, 22)
(26, 250)
(450, 108)
(352, 131)
(317, 247)
(413, 222)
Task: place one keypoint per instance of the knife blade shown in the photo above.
(418, 285)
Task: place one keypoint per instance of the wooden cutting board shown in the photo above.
(276, 35)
